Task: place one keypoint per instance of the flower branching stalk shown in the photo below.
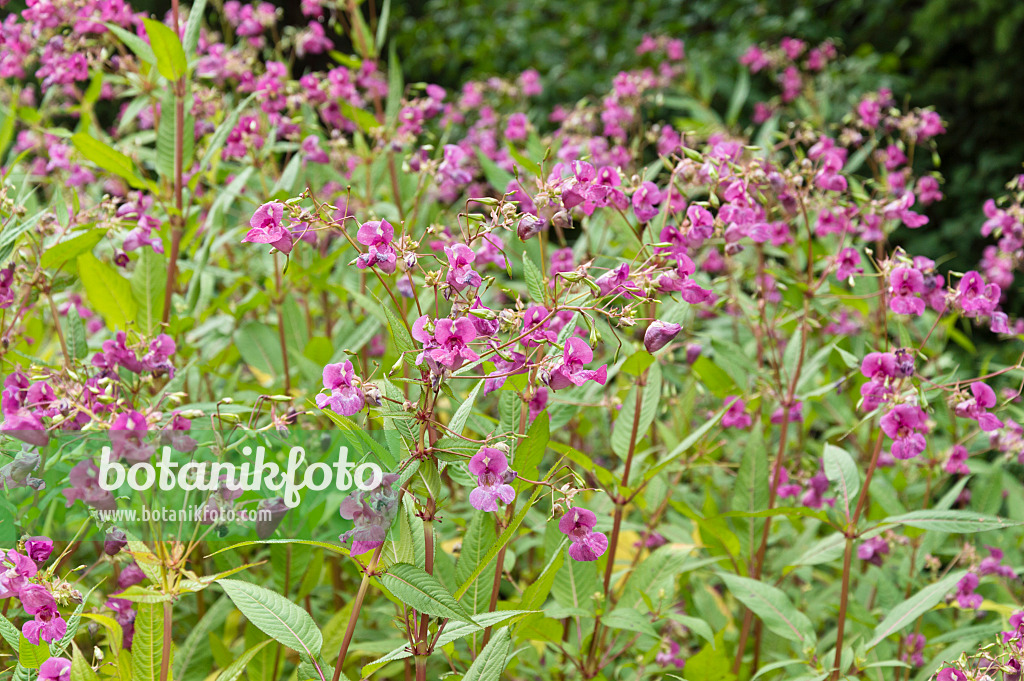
(178, 218)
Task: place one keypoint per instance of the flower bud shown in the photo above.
(372, 394)
(269, 515)
(115, 541)
(693, 351)
(659, 334)
(529, 226)
(561, 220)
(410, 260)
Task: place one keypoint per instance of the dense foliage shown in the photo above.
(640, 385)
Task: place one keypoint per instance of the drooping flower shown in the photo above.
(267, 227)
(993, 564)
(15, 571)
(127, 435)
(975, 297)
(85, 485)
(905, 283)
(453, 338)
(377, 236)
(572, 372)
(490, 466)
(736, 416)
(957, 461)
(951, 674)
(913, 646)
(48, 625)
(345, 397)
(965, 596)
(585, 544)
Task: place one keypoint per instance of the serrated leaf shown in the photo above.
(108, 158)
(60, 253)
(233, 671)
(534, 279)
(148, 283)
(479, 537)
(490, 663)
(774, 608)
(907, 612)
(841, 470)
(195, 22)
(170, 56)
(136, 44)
(750, 494)
(148, 642)
(109, 293)
(260, 348)
(423, 592)
(276, 616)
(80, 669)
(961, 522)
(461, 415)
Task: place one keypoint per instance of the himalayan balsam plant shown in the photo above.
(653, 390)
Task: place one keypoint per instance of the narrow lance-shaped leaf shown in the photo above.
(422, 591)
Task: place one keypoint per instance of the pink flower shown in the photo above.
(490, 466)
(460, 267)
(736, 416)
(965, 596)
(571, 372)
(267, 227)
(15, 571)
(914, 647)
(85, 485)
(55, 669)
(992, 565)
(902, 423)
(377, 236)
(957, 461)
(975, 408)
(311, 145)
(976, 298)
(345, 397)
(951, 674)
(928, 190)
(127, 435)
(905, 283)
(848, 264)
(585, 544)
(48, 625)
(372, 512)
(39, 548)
(646, 200)
(872, 550)
(452, 339)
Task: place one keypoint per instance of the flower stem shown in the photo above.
(357, 605)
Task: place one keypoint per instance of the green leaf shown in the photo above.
(363, 119)
(193, 658)
(961, 522)
(623, 431)
(714, 378)
(59, 253)
(711, 663)
(739, 97)
(841, 469)
(275, 616)
(419, 590)
(165, 144)
(260, 348)
(136, 44)
(170, 56)
(148, 642)
(461, 415)
(80, 669)
(534, 279)
(234, 670)
(907, 612)
(774, 608)
(108, 158)
(220, 135)
(479, 537)
(496, 176)
(109, 293)
(629, 619)
(490, 663)
(148, 283)
(399, 333)
(530, 451)
(9, 632)
(750, 494)
(195, 22)
(575, 584)
(537, 592)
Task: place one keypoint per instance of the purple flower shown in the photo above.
(873, 549)
(372, 512)
(460, 267)
(571, 372)
(503, 368)
(114, 541)
(816, 488)
(127, 433)
(55, 669)
(957, 461)
(6, 284)
(659, 334)
(85, 485)
(131, 575)
(976, 298)
(18, 473)
(736, 416)
(270, 513)
(992, 565)
(377, 237)
(965, 596)
(646, 200)
(951, 674)
(453, 338)
(160, 350)
(490, 466)
(15, 571)
(48, 625)
(585, 544)
(902, 423)
(116, 354)
(913, 646)
(39, 548)
(346, 398)
(905, 283)
(848, 264)
(975, 408)
(267, 227)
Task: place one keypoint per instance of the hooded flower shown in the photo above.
(902, 423)
(377, 237)
(453, 338)
(48, 625)
(872, 550)
(345, 398)
(127, 434)
(585, 544)
(984, 398)
(571, 372)
(39, 548)
(372, 512)
(55, 669)
(15, 571)
(267, 227)
(965, 596)
(490, 466)
(646, 200)
(460, 267)
(85, 485)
